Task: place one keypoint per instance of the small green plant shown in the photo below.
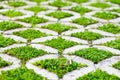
(36, 9)
(113, 44)
(59, 14)
(12, 13)
(25, 53)
(21, 73)
(1, 7)
(100, 5)
(16, 3)
(59, 66)
(110, 28)
(79, 1)
(30, 34)
(87, 35)
(114, 1)
(84, 21)
(5, 41)
(59, 44)
(93, 54)
(105, 15)
(58, 27)
(117, 65)
(8, 25)
(98, 75)
(59, 3)
(80, 9)
(4, 63)
(34, 20)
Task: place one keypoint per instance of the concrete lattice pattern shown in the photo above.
(90, 36)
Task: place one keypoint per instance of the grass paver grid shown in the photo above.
(13, 19)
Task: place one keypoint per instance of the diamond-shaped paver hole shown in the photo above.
(113, 44)
(7, 25)
(105, 15)
(93, 54)
(34, 20)
(100, 5)
(59, 43)
(112, 28)
(115, 10)
(98, 75)
(80, 9)
(36, 9)
(21, 73)
(30, 34)
(12, 13)
(16, 3)
(79, 1)
(58, 27)
(4, 63)
(38, 1)
(87, 35)
(59, 3)
(114, 1)
(6, 41)
(84, 21)
(59, 14)
(25, 53)
(59, 66)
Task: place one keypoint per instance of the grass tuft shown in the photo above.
(98, 75)
(59, 14)
(59, 66)
(93, 54)
(84, 21)
(12, 13)
(87, 35)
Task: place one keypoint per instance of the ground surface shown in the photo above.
(67, 40)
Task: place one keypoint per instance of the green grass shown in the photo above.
(117, 65)
(59, 3)
(30, 34)
(8, 25)
(5, 41)
(100, 5)
(59, 43)
(36, 9)
(4, 63)
(12, 13)
(21, 73)
(80, 10)
(113, 44)
(58, 27)
(34, 20)
(84, 21)
(110, 28)
(59, 14)
(1, 7)
(93, 54)
(98, 75)
(105, 15)
(87, 35)
(25, 53)
(115, 10)
(114, 1)
(59, 66)
(16, 3)
(79, 1)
